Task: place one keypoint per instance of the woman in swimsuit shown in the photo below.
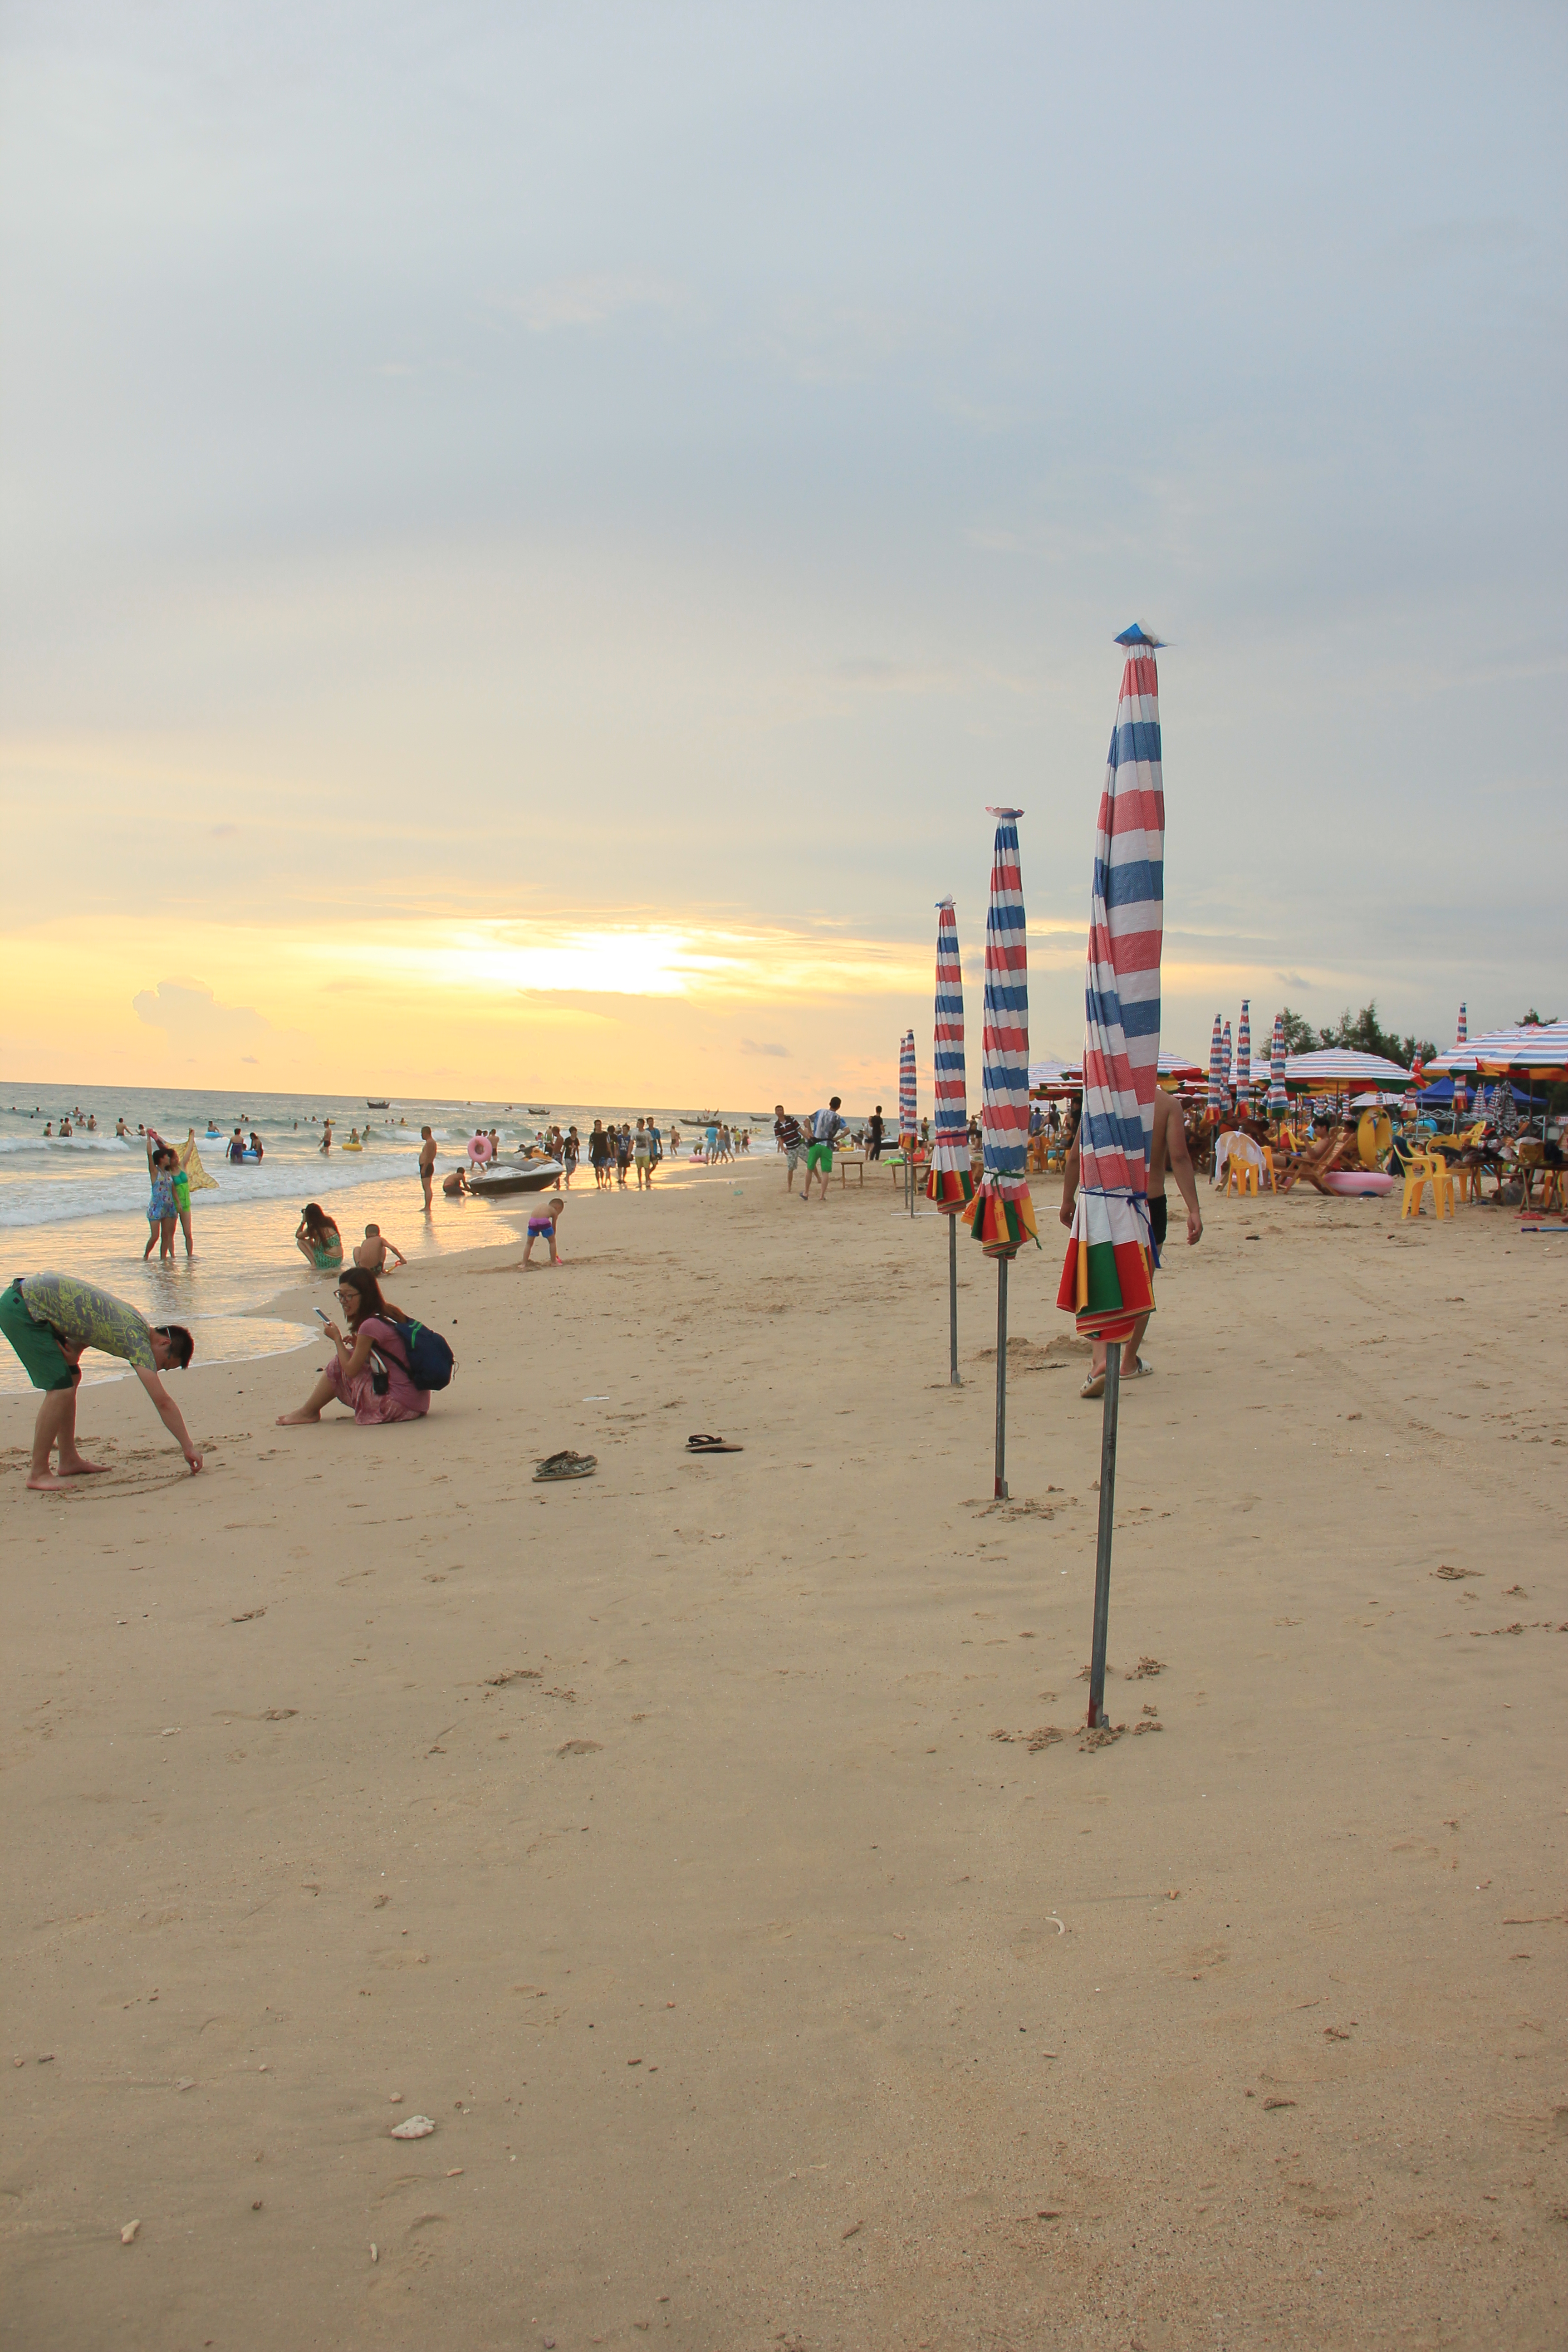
(162, 1211)
(318, 1240)
(370, 1354)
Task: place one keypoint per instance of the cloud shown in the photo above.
(588, 302)
(195, 1023)
(750, 1045)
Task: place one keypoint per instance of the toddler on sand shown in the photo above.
(541, 1225)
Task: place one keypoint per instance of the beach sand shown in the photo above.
(675, 1840)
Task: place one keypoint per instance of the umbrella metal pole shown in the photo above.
(1107, 1523)
(954, 1381)
(1000, 1489)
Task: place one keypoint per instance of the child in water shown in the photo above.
(541, 1227)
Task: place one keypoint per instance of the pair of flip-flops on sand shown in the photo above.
(557, 1466)
(1095, 1384)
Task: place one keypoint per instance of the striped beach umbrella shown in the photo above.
(948, 1181)
(1217, 1071)
(1278, 1100)
(1106, 1280)
(907, 1088)
(1227, 1062)
(1244, 1055)
(1001, 1216)
(1462, 1038)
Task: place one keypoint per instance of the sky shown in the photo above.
(530, 535)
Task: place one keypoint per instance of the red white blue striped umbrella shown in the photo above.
(1227, 1062)
(1002, 1215)
(907, 1088)
(1278, 1100)
(948, 1181)
(1462, 1038)
(1106, 1280)
(1217, 1070)
(1243, 1052)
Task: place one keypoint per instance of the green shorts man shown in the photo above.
(48, 1319)
(825, 1126)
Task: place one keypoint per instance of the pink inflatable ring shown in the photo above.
(1362, 1181)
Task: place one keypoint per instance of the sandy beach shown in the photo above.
(679, 1844)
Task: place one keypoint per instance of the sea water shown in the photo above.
(77, 1204)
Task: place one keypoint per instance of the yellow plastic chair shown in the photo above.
(1240, 1174)
(1418, 1174)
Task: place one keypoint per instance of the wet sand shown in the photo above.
(679, 1844)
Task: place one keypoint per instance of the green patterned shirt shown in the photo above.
(86, 1317)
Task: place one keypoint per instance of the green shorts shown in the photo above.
(42, 1356)
(819, 1156)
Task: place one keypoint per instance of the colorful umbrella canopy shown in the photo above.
(1533, 1049)
(1106, 1280)
(1180, 1066)
(1002, 1215)
(1244, 1070)
(1278, 1100)
(907, 1084)
(1217, 1070)
(948, 1180)
(1337, 1067)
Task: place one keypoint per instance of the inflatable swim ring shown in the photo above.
(1364, 1181)
(351, 1147)
(479, 1149)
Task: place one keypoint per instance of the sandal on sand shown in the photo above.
(703, 1444)
(1094, 1386)
(566, 1466)
(1144, 1371)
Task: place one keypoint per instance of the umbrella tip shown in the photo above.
(1138, 635)
(1004, 814)
(944, 902)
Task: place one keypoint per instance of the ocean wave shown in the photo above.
(41, 1203)
(114, 1143)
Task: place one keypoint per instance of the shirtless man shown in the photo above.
(426, 1164)
(1168, 1149)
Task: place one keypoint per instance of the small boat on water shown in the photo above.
(504, 1176)
(378, 1102)
(538, 1110)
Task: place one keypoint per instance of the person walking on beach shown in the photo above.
(570, 1152)
(788, 1138)
(543, 1225)
(825, 1126)
(642, 1157)
(877, 1128)
(1168, 1150)
(373, 1252)
(623, 1153)
(426, 1164)
(599, 1155)
(48, 1319)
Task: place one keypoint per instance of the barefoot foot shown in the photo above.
(44, 1482)
(296, 1420)
(77, 1466)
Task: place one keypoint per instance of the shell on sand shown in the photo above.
(416, 2127)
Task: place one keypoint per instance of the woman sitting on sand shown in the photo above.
(370, 1358)
(318, 1240)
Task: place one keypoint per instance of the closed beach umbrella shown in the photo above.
(1217, 1070)
(1105, 1279)
(1243, 1053)
(907, 1090)
(1461, 1038)
(1226, 1062)
(1278, 1100)
(948, 1181)
(1002, 1215)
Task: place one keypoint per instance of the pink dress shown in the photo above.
(403, 1401)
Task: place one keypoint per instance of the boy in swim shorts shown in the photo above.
(541, 1227)
(825, 1127)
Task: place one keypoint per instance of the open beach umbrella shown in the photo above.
(1217, 1071)
(1106, 1278)
(1002, 1216)
(1337, 1068)
(1278, 1100)
(948, 1181)
(1243, 1053)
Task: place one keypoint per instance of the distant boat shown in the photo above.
(539, 1111)
(378, 1102)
